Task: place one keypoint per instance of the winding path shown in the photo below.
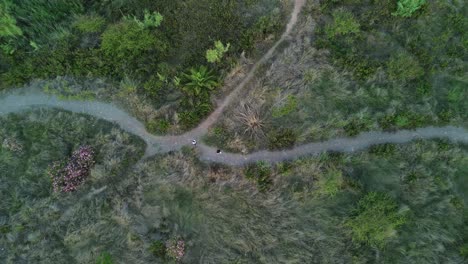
(24, 99)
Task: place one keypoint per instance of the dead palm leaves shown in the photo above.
(251, 119)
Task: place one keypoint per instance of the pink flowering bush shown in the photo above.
(67, 176)
(175, 249)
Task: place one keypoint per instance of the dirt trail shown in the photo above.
(24, 99)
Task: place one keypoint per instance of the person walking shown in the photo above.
(194, 142)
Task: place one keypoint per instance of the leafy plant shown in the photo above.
(406, 8)
(175, 249)
(376, 220)
(261, 173)
(331, 182)
(281, 138)
(158, 249)
(158, 126)
(8, 27)
(68, 176)
(404, 67)
(287, 108)
(104, 258)
(216, 54)
(343, 23)
(198, 83)
(127, 40)
(150, 20)
(89, 23)
(464, 250)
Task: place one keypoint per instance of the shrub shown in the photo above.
(404, 67)
(355, 126)
(158, 249)
(127, 39)
(104, 258)
(216, 54)
(281, 138)
(406, 8)
(330, 183)
(289, 107)
(260, 172)
(175, 249)
(68, 176)
(190, 118)
(158, 126)
(150, 20)
(89, 23)
(343, 23)
(198, 83)
(384, 150)
(266, 25)
(8, 27)
(464, 250)
(376, 220)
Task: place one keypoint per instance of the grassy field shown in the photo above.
(391, 204)
(355, 66)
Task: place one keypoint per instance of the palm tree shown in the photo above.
(198, 83)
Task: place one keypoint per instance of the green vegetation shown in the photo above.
(89, 23)
(406, 8)
(331, 183)
(376, 220)
(158, 248)
(104, 258)
(260, 172)
(343, 23)
(281, 138)
(404, 67)
(198, 83)
(215, 55)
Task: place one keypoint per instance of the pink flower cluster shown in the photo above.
(175, 248)
(67, 176)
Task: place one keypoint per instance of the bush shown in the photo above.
(260, 172)
(158, 126)
(127, 40)
(150, 20)
(289, 107)
(406, 8)
(104, 258)
(175, 249)
(404, 67)
(215, 55)
(343, 23)
(68, 176)
(158, 249)
(281, 138)
(464, 250)
(8, 27)
(376, 220)
(190, 118)
(355, 126)
(89, 23)
(330, 183)
(198, 83)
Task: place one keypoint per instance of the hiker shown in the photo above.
(218, 151)
(194, 142)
